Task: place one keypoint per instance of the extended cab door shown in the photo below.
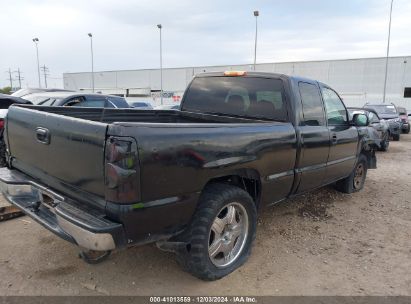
(314, 138)
(344, 137)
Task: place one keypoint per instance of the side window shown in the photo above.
(312, 104)
(73, 102)
(336, 112)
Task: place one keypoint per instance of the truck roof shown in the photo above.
(254, 74)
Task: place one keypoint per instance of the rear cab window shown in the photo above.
(249, 97)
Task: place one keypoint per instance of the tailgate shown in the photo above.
(61, 151)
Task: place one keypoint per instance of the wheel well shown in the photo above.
(371, 159)
(250, 182)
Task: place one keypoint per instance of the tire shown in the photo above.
(408, 130)
(212, 229)
(396, 137)
(3, 162)
(385, 144)
(354, 182)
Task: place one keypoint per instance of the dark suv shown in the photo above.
(388, 112)
(404, 119)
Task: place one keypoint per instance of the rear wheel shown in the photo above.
(220, 236)
(355, 182)
(396, 137)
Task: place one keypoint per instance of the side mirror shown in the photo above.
(360, 120)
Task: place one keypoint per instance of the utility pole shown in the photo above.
(388, 53)
(256, 14)
(92, 60)
(161, 65)
(10, 78)
(45, 71)
(36, 42)
(19, 77)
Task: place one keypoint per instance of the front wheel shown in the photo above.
(355, 182)
(396, 137)
(221, 234)
(385, 144)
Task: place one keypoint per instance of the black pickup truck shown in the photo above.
(191, 180)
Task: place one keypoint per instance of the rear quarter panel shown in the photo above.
(178, 159)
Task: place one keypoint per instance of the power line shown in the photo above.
(19, 77)
(10, 78)
(45, 71)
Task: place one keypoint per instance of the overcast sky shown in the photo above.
(208, 32)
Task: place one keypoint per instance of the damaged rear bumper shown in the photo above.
(68, 219)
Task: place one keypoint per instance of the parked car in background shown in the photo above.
(388, 112)
(142, 105)
(77, 99)
(168, 107)
(404, 118)
(24, 92)
(376, 133)
(191, 180)
(5, 102)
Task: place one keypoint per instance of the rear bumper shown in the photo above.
(66, 218)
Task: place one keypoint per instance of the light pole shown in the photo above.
(36, 41)
(161, 65)
(388, 53)
(256, 14)
(92, 60)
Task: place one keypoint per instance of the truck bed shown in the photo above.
(135, 115)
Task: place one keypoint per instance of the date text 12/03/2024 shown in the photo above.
(204, 299)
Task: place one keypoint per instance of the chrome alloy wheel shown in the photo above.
(359, 176)
(228, 235)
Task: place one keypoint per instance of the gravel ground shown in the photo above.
(323, 243)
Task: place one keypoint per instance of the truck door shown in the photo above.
(344, 137)
(314, 137)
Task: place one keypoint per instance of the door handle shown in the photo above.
(43, 135)
(334, 139)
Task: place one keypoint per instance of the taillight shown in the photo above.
(1, 124)
(122, 177)
(235, 73)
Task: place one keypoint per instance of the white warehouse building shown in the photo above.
(357, 80)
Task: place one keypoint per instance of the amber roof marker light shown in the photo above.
(235, 73)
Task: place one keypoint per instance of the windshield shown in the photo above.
(384, 109)
(42, 100)
(251, 97)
